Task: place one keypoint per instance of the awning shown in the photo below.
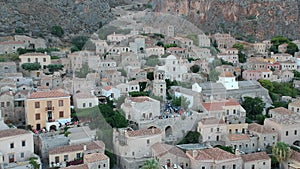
(64, 121)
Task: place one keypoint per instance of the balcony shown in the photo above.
(49, 108)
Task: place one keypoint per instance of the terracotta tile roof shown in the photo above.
(107, 88)
(84, 96)
(295, 103)
(227, 74)
(212, 154)
(160, 149)
(255, 156)
(238, 137)
(219, 105)
(12, 132)
(34, 54)
(78, 147)
(139, 99)
(47, 94)
(94, 157)
(282, 111)
(212, 120)
(81, 166)
(259, 128)
(295, 156)
(144, 132)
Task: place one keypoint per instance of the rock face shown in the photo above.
(260, 18)
(39, 16)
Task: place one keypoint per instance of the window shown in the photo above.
(218, 129)
(37, 116)
(44, 59)
(57, 159)
(61, 114)
(211, 130)
(37, 105)
(2, 104)
(12, 145)
(83, 105)
(22, 155)
(66, 157)
(233, 166)
(264, 163)
(7, 104)
(103, 165)
(28, 59)
(90, 105)
(78, 155)
(99, 166)
(287, 133)
(60, 103)
(223, 167)
(23, 143)
(148, 141)
(36, 60)
(132, 153)
(253, 166)
(203, 167)
(295, 132)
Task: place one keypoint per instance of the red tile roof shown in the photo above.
(295, 156)
(255, 157)
(78, 147)
(107, 88)
(212, 120)
(47, 94)
(94, 157)
(139, 99)
(160, 149)
(212, 154)
(227, 74)
(81, 166)
(259, 128)
(219, 105)
(238, 137)
(12, 132)
(144, 132)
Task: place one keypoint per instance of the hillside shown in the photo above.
(261, 18)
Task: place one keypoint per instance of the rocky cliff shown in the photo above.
(243, 18)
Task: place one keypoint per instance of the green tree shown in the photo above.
(83, 71)
(55, 67)
(292, 48)
(282, 152)
(79, 41)
(253, 106)
(191, 137)
(33, 163)
(242, 57)
(238, 46)
(159, 43)
(150, 76)
(181, 101)
(213, 75)
(150, 164)
(19, 30)
(152, 62)
(31, 66)
(195, 68)
(267, 84)
(57, 30)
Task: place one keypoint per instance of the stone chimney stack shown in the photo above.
(195, 153)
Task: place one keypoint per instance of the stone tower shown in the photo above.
(159, 84)
(171, 31)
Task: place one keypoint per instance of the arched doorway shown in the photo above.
(168, 131)
(52, 128)
(297, 143)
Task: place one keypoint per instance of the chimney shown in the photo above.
(195, 153)
(84, 147)
(237, 152)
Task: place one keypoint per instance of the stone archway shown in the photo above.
(52, 127)
(297, 143)
(168, 131)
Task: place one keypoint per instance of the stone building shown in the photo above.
(204, 40)
(213, 158)
(212, 129)
(7, 67)
(140, 108)
(159, 84)
(256, 160)
(11, 47)
(43, 59)
(242, 142)
(133, 148)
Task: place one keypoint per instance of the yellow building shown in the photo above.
(48, 109)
